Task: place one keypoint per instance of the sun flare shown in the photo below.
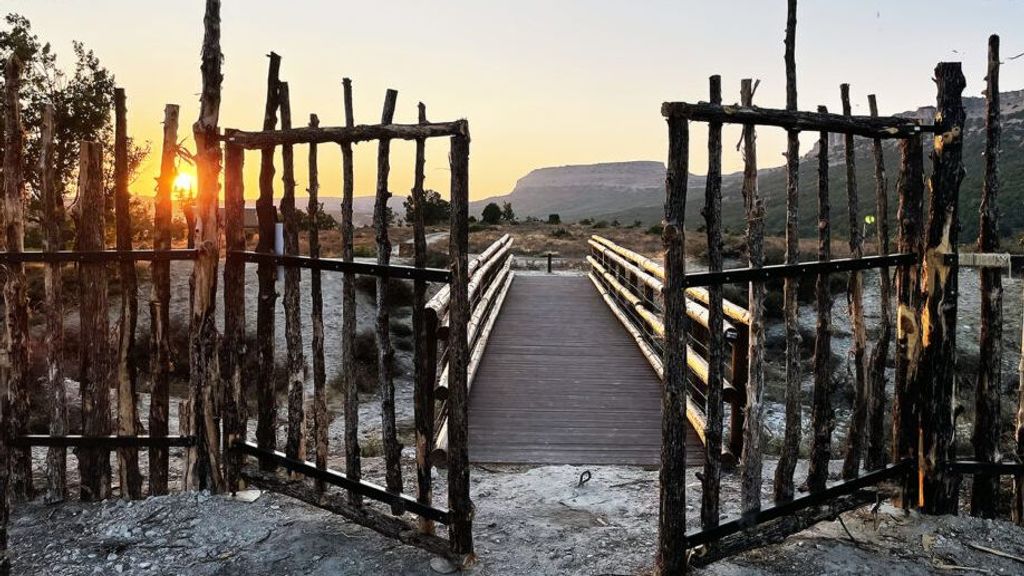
(183, 181)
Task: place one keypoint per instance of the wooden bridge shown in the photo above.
(566, 369)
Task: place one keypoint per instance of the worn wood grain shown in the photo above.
(321, 417)
(348, 309)
(234, 408)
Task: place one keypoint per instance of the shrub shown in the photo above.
(656, 230)
(600, 224)
(561, 233)
(491, 213)
(586, 222)
(554, 219)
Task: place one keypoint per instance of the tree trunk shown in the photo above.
(234, 314)
(990, 374)
(321, 420)
(822, 418)
(348, 310)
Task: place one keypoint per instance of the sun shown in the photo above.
(183, 181)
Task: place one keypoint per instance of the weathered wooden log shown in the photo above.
(5, 475)
(345, 134)
(867, 126)
(1017, 507)
(424, 340)
(716, 342)
(855, 302)
(321, 419)
(783, 487)
(385, 352)
(159, 305)
(822, 418)
(441, 299)
(906, 409)
(234, 315)
(15, 287)
(203, 463)
(348, 310)
(460, 505)
(94, 360)
(750, 488)
(127, 373)
(671, 550)
(874, 457)
(53, 224)
(985, 488)
(937, 373)
(295, 446)
(266, 215)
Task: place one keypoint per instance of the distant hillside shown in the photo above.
(362, 207)
(629, 191)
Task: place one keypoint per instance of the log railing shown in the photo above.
(490, 276)
(632, 286)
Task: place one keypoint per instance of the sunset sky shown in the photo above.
(541, 82)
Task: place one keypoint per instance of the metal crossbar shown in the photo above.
(77, 441)
(94, 256)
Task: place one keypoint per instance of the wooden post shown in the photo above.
(671, 553)
(716, 342)
(94, 360)
(234, 314)
(348, 310)
(855, 300)
(459, 504)
(321, 421)
(874, 457)
(906, 408)
(425, 340)
(127, 410)
(295, 447)
(1017, 510)
(266, 214)
(203, 467)
(385, 353)
(791, 441)
(53, 224)
(5, 475)
(159, 305)
(12, 219)
(821, 410)
(750, 488)
(987, 412)
(937, 373)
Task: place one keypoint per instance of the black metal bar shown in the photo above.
(740, 275)
(990, 468)
(93, 256)
(337, 265)
(360, 487)
(869, 479)
(77, 441)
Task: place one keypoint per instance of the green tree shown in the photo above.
(436, 210)
(554, 219)
(507, 213)
(324, 221)
(491, 214)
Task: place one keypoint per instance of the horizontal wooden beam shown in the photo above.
(867, 126)
(361, 487)
(740, 275)
(77, 441)
(343, 134)
(338, 265)
(93, 256)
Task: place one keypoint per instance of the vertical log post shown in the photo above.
(874, 457)
(321, 422)
(159, 305)
(266, 214)
(671, 554)
(716, 342)
(937, 372)
(906, 407)
(750, 488)
(791, 442)
(424, 380)
(53, 225)
(855, 302)
(385, 353)
(460, 531)
(203, 466)
(295, 447)
(127, 409)
(5, 475)
(94, 359)
(821, 402)
(987, 407)
(1017, 510)
(15, 288)
(234, 314)
(348, 309)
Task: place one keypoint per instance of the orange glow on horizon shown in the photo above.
(183, 181)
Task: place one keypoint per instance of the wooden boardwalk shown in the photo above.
(562, 382)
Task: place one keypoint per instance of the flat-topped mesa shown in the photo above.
(867, 126)
(344, 134)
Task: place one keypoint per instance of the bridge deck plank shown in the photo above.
(561, 382)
